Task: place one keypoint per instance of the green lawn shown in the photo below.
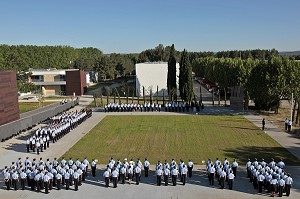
(29, 106)
(164, 137)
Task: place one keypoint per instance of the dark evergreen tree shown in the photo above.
(171, 80)
(185, 77)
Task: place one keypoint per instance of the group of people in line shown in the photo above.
(269, 176)
(123, 107)
(58, 127)
(120, 172)
(223, 171)
(171, 106)
(46, 175)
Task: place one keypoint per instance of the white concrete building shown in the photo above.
(153, 74)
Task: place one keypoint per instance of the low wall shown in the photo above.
(34, 117)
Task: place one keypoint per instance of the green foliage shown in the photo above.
(266, 82)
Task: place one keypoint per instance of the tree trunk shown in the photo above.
(127, 95)
(163, 97)
(219, 97)
(225, 96)
(157, 95)
(101, 100)
(144, 94)
(213, 97)
(200, 93)
(94, 95)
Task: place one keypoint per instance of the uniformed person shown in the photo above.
(234, 167)
(211, 174)
(67, 179)
(137, 172)
(15, 179)
(174, 173)
(23, 177)
(159, 173)
(115, 175)
(146, 167)
(281, 185)
(7, 178)
(184, 172)
(93, 166)
(260, 179)
(106, 176)
(75, 177)
(288, 184)
(222, 176)
(190, 168)
(46, 182)
(166, 176)
(230, 180)
(58, 180)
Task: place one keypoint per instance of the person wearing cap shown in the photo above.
(281, 164)
(130, 173)
(248, 164)
(211, 174)
(166, 176)
(260, 179)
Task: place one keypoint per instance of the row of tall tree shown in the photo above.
(185, 76)
(265, 81)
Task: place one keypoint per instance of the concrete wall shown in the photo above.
(52, 90)
(33, 117)
(9, 106)
(151, 75)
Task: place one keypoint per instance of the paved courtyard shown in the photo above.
(196, 187)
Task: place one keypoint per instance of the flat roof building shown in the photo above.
(151, 75)
(59, 82)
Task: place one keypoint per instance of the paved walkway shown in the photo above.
(93, 187)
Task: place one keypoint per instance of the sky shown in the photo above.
(131, 26)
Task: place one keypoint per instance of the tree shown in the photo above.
(185, 77)
(171, 79)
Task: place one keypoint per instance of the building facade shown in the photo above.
(153, 75)
(59, 82)
(9, 105)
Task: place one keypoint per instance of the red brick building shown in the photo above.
(9, 105)
(75, 82)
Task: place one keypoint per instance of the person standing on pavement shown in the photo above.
(288, 185)
(263, 122)
(190, 165)
(281, 184)
(106, 176)
(174, 173)
(211, 174)
(234, 167)
(286, 121)
(230, 180)
(146, 167)
(93, 166)
(184, 172)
